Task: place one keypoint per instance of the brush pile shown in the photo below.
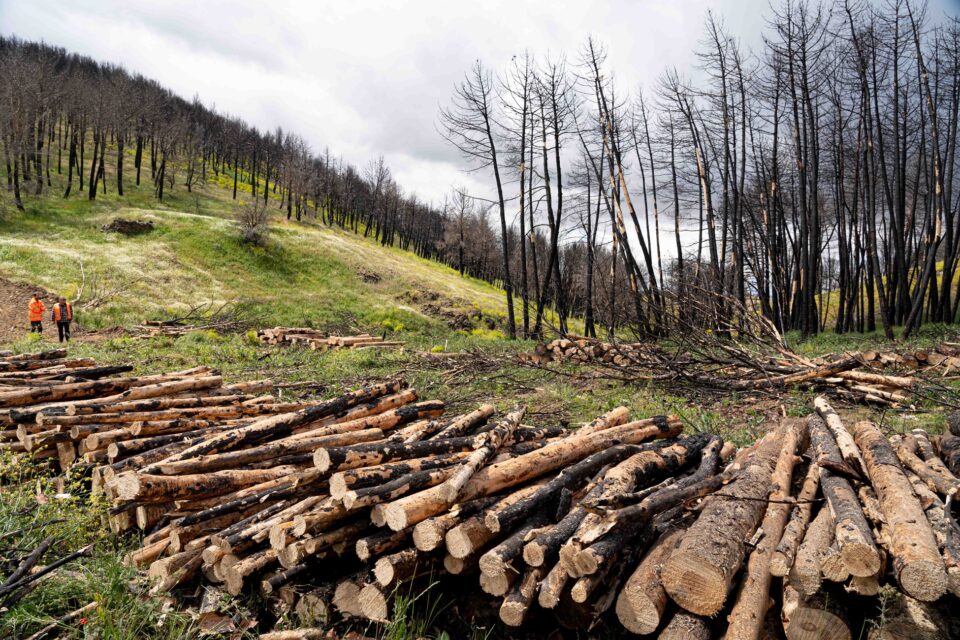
(712, 364)
(319, 340)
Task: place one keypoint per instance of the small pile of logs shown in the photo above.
(945, 357)
(71, 410)
(850, 376)
(319, 340)
(581, 349)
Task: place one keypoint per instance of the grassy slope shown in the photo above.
(308, 276)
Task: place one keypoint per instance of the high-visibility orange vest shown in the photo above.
(57, 316)
(35, 310)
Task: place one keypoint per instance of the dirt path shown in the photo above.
(13, 309)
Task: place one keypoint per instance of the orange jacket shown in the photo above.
(35, 310)
(56, 313)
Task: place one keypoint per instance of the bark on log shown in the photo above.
(266, 452)
(487, 446)
(369, 496)
(465, 424)
(575, 447)
(642, 600)
(849, 452)
(853, 535)
(753, 600)
(916, 558)
(699, 574)
(146, 488)
(929, 455)
(333, 459)
(343, 481)
(782, 558)
(283, 424)
(949, 447)
(684, 625)
(906, 448)
(944, 530)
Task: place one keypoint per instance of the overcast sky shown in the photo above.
(365, 77)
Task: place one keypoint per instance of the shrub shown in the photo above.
(254, 222)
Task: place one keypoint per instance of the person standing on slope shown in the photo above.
(35, 312)
(62, 314)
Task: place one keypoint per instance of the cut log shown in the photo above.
(343, 481)
(565, 451)
(928, 454)
(472, 534)
(381, 542)
(816, 618)
(372, 603)
(642, 601)
(753, 600)
(283, 424)
(699, 574)
(486, 447)
(907, 448)
(500, 559)
(917, 562)
(684, 625)
(782, 558)
(853, 535)
(516, 604)
(333, 459)
(467, 423)
(849, 452)
(429, 534)
(944, 530)
(396, 567)
(949, 447)
(144, 488)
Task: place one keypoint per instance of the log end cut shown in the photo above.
(694, 583)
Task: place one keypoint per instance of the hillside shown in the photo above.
(308, 275)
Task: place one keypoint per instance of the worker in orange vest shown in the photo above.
(62, 314)
(35, 312)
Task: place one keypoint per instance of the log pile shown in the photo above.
(74, 411)
(319, 340)
(667, 531)
(332, 507)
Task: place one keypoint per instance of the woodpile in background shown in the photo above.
(319, 340)
(728, 366)
(332, 508)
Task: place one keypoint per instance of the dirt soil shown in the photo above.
(14, 324)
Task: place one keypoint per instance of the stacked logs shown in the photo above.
(813, 523)
(318, 340)
(72, 411)
(336, 505)
(581, 349)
